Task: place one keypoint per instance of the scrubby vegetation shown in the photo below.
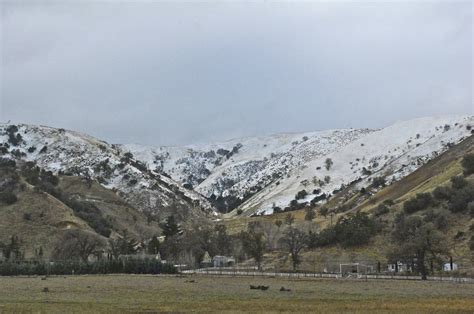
(468, 164)
(420, 202)
(351, 230)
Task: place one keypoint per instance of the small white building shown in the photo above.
(450, 267)
(399, 267)
(223, 261)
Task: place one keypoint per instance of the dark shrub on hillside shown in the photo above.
(12, 129)
(419, 202)
(366, 172)
(349, 231)
(277, 210)
(468, 164)
(17, 153)
(8, 197)
(89, 213)
(355, 230)
(301, 194)
(461, 198)
(389, 202)
(439, 218)
(324, 211)
(188, 186)
(319, 198)
(7, 163)
(458, 182)
(324, 238)
(378, 182)
(14, 139)
(39, 177)
(470, 208)
(381, 210)
(442, 193)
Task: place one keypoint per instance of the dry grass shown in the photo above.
(213, 294)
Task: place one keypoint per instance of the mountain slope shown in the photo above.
(254, 175)
(235, 170)
(78, 154)
(384, 205)
(391, 153)
(43, 207)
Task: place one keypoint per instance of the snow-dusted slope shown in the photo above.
(392, 152)
(239, 168)
(263, 172)
(253, 174)
(80, 154)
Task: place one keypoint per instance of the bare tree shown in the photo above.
(294, 241)
(77, 244)
(253, 245)
(271, 233)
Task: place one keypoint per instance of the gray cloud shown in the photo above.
(172, 73)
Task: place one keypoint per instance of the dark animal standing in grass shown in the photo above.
(284, 289)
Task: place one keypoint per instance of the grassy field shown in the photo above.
(220, 294)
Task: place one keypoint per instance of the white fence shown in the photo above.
(255, 273)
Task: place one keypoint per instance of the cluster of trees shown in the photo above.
(418, 231)
(458, 197)
(144, 266)
(12, 249)
(14, 138)
(8, 182)
(416, 239)
(353, 230)
(349, 231)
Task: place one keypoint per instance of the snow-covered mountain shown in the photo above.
(256, 174)
(70, 152)
(247, 175)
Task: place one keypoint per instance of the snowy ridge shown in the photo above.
(74, 153)
(241, 167)
(392, 152)
(252, 175)
(264, 172)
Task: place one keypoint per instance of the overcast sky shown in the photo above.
(176, 73)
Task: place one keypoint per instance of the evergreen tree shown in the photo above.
(153, 246)
(223, 240)
(170, 227)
